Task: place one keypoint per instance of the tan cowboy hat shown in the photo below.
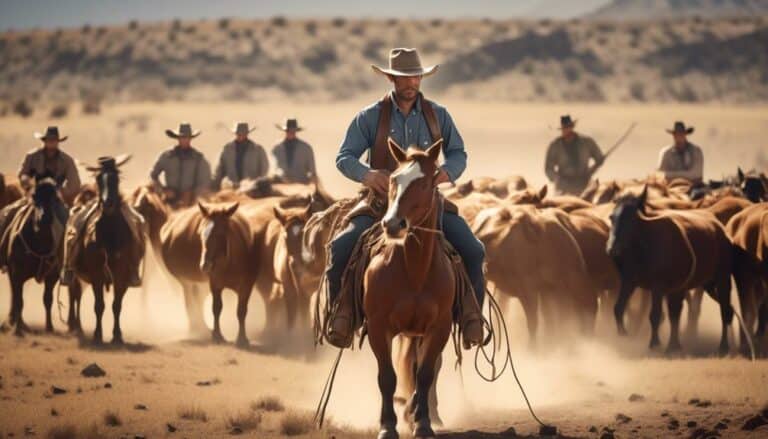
(290, 124)
(680, 128)
(185, 130)
(242, 128)
(405, 62)
(50, 133)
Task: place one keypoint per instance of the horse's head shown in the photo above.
(214, 235)
(753, 186)
(293, 221)
(412, 188)
(44, 197)
(624, 220)
(107, 175)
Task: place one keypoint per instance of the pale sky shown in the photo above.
(24, 14)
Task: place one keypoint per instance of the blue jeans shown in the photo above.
(456, 230)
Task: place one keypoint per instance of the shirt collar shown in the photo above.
(416, 107)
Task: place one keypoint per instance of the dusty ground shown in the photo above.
(586, 383)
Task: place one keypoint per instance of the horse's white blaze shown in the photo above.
(403, 179)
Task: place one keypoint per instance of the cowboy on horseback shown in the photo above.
(45, 161)
(83, 213)
(567, 162)
(410, 120)
(186, 172)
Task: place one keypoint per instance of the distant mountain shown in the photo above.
(649, 9)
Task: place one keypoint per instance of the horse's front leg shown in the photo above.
(217, 306)
(381, 345)
(625, 293)
(50, 283)
(117, 306)
(98, 307)
(426, 372)
(75, 293)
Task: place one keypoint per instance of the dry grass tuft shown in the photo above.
(268, 404)
(193, 413)
(296, 423)
(244, 421)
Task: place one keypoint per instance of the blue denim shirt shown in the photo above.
(406, 130)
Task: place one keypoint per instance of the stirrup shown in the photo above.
(476, 339)
(337, 338)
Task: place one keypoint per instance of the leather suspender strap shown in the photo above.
(431, 118)
(380, 156)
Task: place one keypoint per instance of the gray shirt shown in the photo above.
(183, 170)
(687, 163)
(60, 166)
(407, 130)
(254, 163)
(295, 161)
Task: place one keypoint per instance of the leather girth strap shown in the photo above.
(380, 156)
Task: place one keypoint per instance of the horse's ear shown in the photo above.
(433, 152)
(542, 192)
(740, 173)
(643, 196)
(203, 209)
(232, 209)
(280, 214)
(396, 150)
(307, 213)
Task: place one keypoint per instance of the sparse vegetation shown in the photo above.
(244, 421)
(112, 419)
(268, 404)
(22, 108)
(295, 423)
(193, 413)
(71, 432)
(58, 111)
(279, 21)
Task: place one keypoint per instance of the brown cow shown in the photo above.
(534, 256)
(749, 233)
(669, 254)
(566, 203)
(499, 187)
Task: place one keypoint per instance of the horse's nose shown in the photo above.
(394, 226)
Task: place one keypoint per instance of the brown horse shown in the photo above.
(408, 286)
(213, 245)
(34, 250)
(749, 233)
(669, 254)
(108, 249)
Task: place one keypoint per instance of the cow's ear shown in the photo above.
(280, 214)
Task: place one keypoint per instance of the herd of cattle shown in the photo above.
(565, 258)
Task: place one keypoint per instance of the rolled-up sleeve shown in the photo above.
(357, 140)
(453, 149)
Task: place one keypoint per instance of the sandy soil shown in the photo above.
(575, 386)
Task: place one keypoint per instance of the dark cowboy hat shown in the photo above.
(50, 133)
(185, 130)
(242, 128)
(405, 62)
(567, 122)
(290, 124)
(106, 163)
(680, 128)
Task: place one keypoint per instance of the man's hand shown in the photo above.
(442, 177)
(378, 181)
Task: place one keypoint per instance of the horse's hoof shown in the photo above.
(388, 433)
(674, 350)
(654, 344)
(723, 350)
(218, 338)
(423, 430)
(117, 341)
(622, 331)
(242, 343)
